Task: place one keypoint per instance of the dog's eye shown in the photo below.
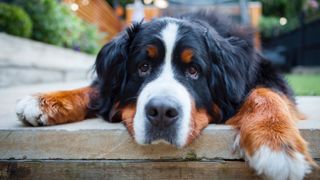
(144, 69)
(192, 72)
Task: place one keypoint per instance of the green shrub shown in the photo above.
(47, 26)
(81, 35)
(273, 10)
(269, 26)
(89, 39)
(14, 20)
(56, 24)
(282, 8)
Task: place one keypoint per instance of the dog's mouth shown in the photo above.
(166, 134)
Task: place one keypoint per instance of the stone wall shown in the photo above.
(23, 61)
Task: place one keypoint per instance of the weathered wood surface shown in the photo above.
(97, 139)
(115, 143)
(106, 169)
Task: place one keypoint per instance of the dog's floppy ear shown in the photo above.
(230, 69)
(111, 69)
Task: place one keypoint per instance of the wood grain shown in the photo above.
(133, 169)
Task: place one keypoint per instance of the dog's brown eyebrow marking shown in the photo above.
(186, 55)
(152, 51)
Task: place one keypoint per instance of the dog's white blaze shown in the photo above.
(165, 86)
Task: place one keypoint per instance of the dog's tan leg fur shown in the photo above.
(269, 138)
(55, 107)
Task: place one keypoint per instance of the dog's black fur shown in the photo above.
(229, 64)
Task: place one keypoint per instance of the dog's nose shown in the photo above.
(162, 112)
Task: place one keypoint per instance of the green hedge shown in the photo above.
(56, 24)
(14, 20)
(80, 34)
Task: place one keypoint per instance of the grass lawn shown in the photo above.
(305, 84)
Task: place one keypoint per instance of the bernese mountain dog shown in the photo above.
(167, 79)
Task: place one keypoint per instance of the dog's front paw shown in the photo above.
(29, 111)
(280, 164)
(277, 162)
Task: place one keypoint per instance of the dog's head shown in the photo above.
(169, 78)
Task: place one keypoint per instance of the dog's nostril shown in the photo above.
(162, 113)
(152, 112)
(172, 113)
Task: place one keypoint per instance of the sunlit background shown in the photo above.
(287, 31)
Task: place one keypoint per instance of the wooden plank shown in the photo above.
(106, 169)
(97, 139)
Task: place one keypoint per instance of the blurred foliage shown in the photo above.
(56, 24)
(270, 26)
(282, 8)
(14, 20)
(89, 39)
(295, 11)
(48, 21)
(79, 34)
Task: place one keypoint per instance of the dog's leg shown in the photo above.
(268, 137)
(56, 107)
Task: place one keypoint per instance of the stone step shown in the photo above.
(38, 62)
